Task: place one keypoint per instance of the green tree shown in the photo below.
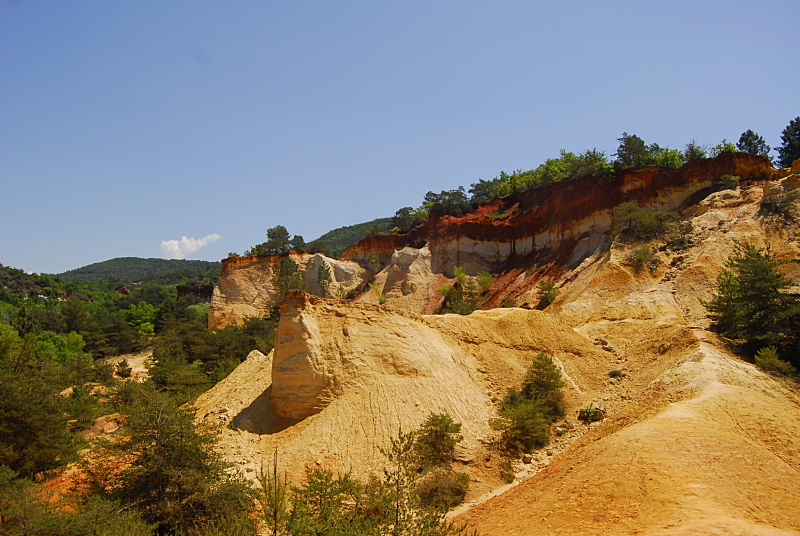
(174, 477)
(722, 147)
(286, 277)
(436, 439)
(324, 277)
(789, 151)
(298, 244)
(547, 292)
(632, 151)
(753, 301)
(635, 222)
(76, 316)
(750, 142)
(694, 151)
(543, 383)
(277, 240)
(526, 414)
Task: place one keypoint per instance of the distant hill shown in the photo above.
(137, 269)
(338, 239)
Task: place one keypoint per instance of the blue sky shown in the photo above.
(125, 124)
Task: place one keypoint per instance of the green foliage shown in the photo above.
(138, 269)
(467, 294)
(547, 292)
(543, 383)
(634, 222)
(568, 166)
(25, 509)
(34, 435)
(694, 151)
(324, 277)
(753, 301)
(767, 359)
(373, 261)
(377, 289)
(633, 152)
(436, 439)
(750, 142)
(523, 425)
(780, 206)
(451, 202)
(526, 414)
(407, 218)
(286, 277)
(446, 289)
(722, 147)
(642, 258)
(727, 182)
(485, 281)
(442, 489)
(335, 241)
(174, 478)
(500, 215)
(789, 151)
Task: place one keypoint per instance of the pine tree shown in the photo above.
(789, 151)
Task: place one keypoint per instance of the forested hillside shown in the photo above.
(162, 271)
(336, 240)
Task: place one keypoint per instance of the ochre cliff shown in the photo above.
(245, 284)
(552, 233)
(696, 440)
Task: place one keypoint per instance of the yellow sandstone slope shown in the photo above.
(696, 441)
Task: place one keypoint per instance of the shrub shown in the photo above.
(543, 383)
(445, 290)
(780, 205)
(526, 414)
(547, 293)
(753, 301)
(485, 281)
(727, 182)
(435, 440)
(767, 359)
(523, 425)
(643, 257)
(632, 221)
(442, 489)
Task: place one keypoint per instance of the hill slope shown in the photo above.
(338, 239)
(137, 269)
(696, 440)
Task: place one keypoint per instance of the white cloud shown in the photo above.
(178, 249)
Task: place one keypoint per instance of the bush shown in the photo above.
(753, 301)
(643, 257)
(435, 440)
(780, 205)
(442, 489)
(727, 182)
(547, 293)
(523, 425)
(485, 281)
(526, 414)
(767, 359)
(634, 222)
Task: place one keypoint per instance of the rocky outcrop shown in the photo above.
(346, 376)
(563, 223)
(554, 233)
(245, 284)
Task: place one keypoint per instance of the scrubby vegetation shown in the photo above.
(467, 294)
(755, 303)
(410, 499)
(526, 415)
